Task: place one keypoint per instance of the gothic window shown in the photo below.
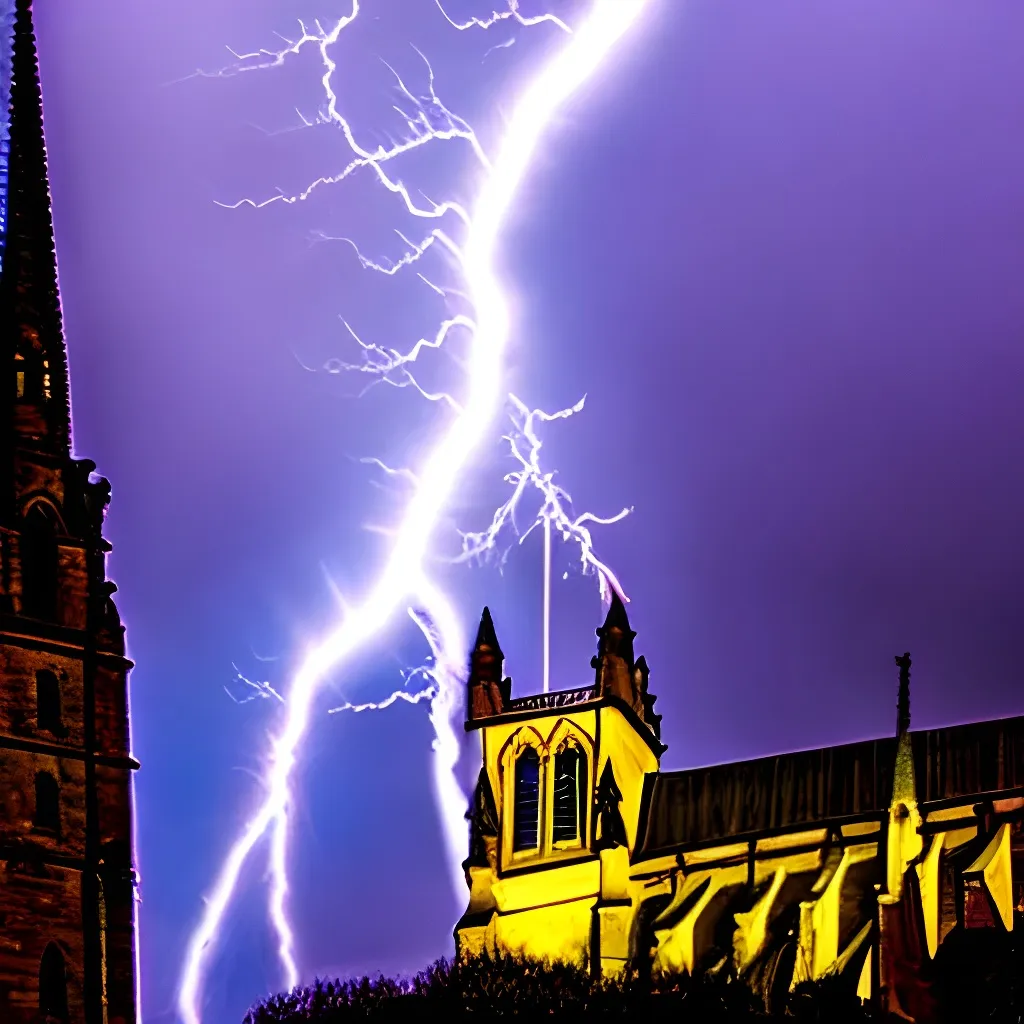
(570, 789)
(53, 986)
(47, 802)
(39, 564)
(48, 710)
(526, 814)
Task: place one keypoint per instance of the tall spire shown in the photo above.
(486, 638)
(34, 362)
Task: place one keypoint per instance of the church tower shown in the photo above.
(67, 883)
(554, 814)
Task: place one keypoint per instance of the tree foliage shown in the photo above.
(980, 977)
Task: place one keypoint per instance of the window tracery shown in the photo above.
(526, 806)
(569, 803)
(546, 792)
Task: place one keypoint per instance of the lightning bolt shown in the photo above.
(553, 514)
(403, 579)
(555, 509)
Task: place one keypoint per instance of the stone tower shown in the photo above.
(67, 885)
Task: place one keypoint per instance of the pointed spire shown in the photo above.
(614, 662)
(30, 317)
(903, 699)
(616, 619)
(489, 692)
(486, 638)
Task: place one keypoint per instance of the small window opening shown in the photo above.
(53, 986)
(526, 815)
(570, 786)
(39, 565)
(47, 802)
(20, 378)
(48, 709)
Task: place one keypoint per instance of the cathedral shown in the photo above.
(855, 861)
(67, 882)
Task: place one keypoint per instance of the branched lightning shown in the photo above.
(496, 16)
(403, 579)
(259, 689)
(555, 509)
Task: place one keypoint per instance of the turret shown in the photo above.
(489, 691)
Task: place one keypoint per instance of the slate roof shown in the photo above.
(812, 787)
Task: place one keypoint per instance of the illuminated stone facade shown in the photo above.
(857, 859)
(67, 886)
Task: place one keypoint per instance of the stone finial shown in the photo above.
(614, 662)
(488, 690)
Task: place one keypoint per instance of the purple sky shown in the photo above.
(779, 248)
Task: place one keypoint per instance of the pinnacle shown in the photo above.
(485, 636)
(616, 617)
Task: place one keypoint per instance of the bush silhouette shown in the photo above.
(980, 978)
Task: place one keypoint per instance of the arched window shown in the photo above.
(47, 802)
(39, 564)
(48, 711)
(570, 794)
(53, 986)
(526, 814)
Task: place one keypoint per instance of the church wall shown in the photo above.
(110, 696)
(18, 771)
(33, 476)
(542, 900)
(73, 592)
(631, 758)
(114, 806)
(40, 905)
(545, 733)
(557, 932)
(18, 668)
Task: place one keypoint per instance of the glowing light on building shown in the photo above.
(403, 580)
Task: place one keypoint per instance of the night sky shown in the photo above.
(778, 246)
